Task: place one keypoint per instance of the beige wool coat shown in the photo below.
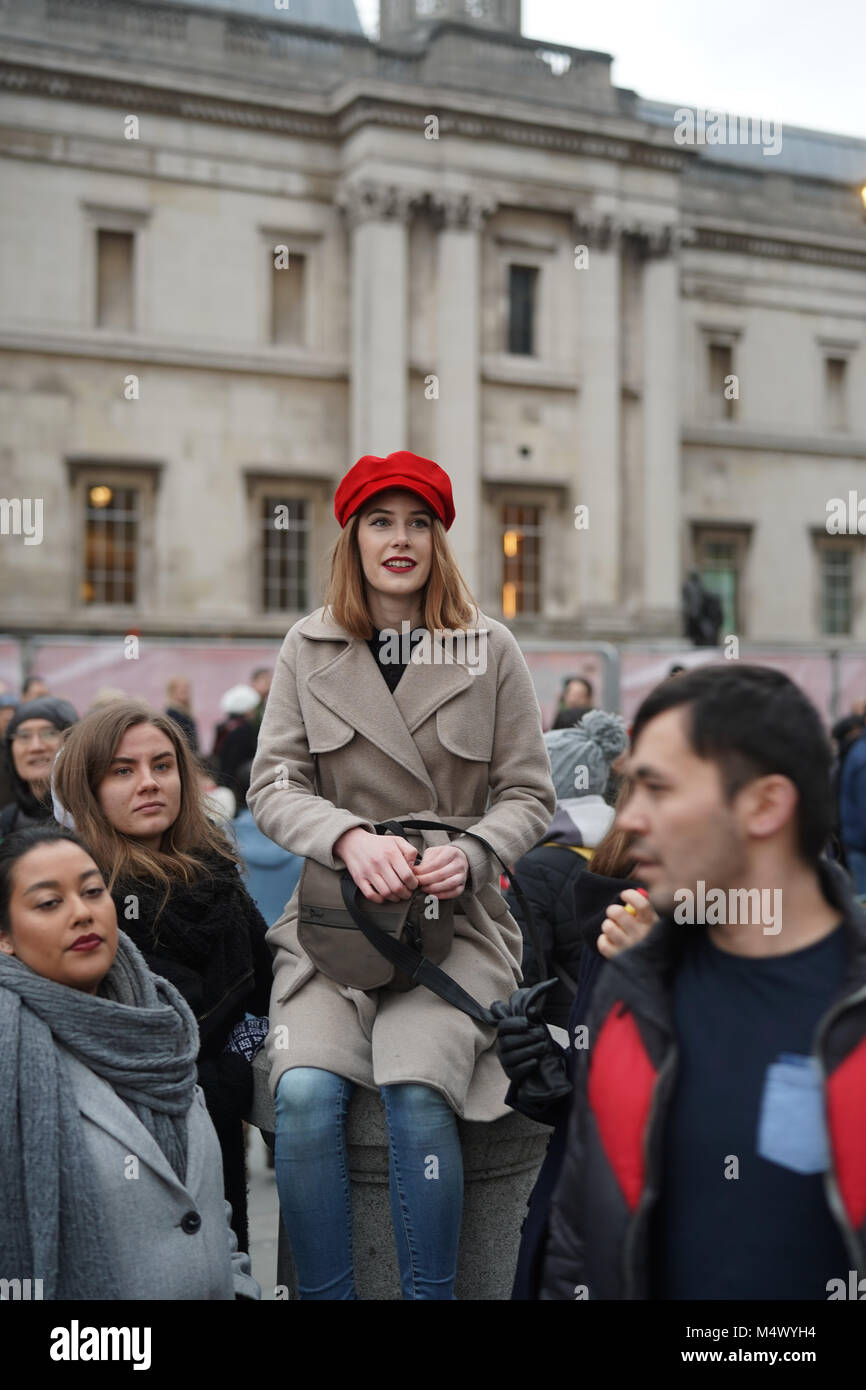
(336, 750)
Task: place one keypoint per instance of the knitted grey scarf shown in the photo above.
(140, 1036)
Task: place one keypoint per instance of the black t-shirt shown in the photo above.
(391, 650)
(743, 1212)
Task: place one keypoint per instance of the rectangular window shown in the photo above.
(720, 560)
(289, 299)
(112, 522)
(721, 399)
(836, 392)
(720, 574)
(522, 293)
(836, 590)
(114, 280)
(521, 560)
(285, 526)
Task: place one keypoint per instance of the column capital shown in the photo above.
(599, 231)
(650, 240)
(462, 211)
(366, 200)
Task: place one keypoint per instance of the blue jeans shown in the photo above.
(312, 1172)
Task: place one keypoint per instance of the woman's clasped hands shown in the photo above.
(384, 867)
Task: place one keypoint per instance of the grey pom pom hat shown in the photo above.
(580, 757)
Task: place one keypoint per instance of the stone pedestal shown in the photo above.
(500, 1160)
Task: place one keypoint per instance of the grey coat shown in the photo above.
(337, 750)
(156, 1251)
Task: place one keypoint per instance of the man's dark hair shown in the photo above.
(754, 721)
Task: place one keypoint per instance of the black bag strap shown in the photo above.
(419, 969)
(397, 827)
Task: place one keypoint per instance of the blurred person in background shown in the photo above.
(34, 688)
(580, 760)
(127, 779)
(852, 803)
(105, 695)
(220, 802)
(8, 706)
(577, 700)
(97, 1072)
(845, 733)
(260, 681)
(272, 872)
(33, 736)
(237, 735)
(179, 708)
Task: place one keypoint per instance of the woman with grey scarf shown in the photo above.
(109, 1164)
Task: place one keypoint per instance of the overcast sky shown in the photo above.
(796, 61)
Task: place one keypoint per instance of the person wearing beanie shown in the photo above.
(580, 762)
(398, 699)
(33, 736)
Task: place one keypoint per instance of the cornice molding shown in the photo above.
(722, 437)
(135, 353)
(358, 111)
(777, 248)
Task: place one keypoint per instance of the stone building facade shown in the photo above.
(244, 244)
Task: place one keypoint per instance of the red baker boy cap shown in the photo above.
(371, 475)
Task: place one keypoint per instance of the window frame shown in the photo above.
(135, 222)
(738, 534)
(823, 544)
(308, 244)
(145, 477)
(535, 309)
(318, 493)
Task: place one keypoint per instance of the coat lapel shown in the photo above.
(424, 686)
(352, 686)
(99, 1101)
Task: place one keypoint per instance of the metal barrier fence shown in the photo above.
(621, 675)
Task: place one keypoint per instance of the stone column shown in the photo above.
(661, 432)
(458, 334)
(378, 216)
(598, 444)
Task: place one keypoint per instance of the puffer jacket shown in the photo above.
(611, 1178)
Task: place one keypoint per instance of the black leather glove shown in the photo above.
(530, 1058)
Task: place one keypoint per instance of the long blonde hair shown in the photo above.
(448, 603)
(82, 765)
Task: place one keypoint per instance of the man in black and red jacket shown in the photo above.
(717, 1144)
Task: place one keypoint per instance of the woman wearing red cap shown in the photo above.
(355, 733)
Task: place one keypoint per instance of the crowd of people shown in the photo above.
(386, 875)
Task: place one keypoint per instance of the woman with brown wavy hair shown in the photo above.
(127, 779)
